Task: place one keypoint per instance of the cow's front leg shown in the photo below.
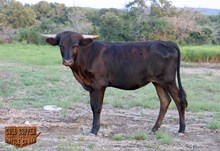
(96, 100)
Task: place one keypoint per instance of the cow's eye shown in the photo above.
(61, 47)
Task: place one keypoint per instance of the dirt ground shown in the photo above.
(69, 130)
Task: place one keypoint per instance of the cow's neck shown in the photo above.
(80, 60)
(79, 69)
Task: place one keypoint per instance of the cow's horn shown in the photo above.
(91, 36)
(49, 35)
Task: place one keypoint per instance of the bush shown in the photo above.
(200, 38)
(48, 26)
(30, 35)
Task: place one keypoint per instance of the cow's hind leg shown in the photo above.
(164, 104)
(174, 92)
(96, 100)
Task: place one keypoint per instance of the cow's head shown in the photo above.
(69, 42)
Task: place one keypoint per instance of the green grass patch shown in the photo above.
(67, 146)
(214, 124)
(37, 86)
(217, 115)
(164, 137)
(205, 53)
(91, 145)
(30, 54)
(118, 137)
(139, 135)
(202, 92)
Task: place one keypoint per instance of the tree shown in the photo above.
(43, 10)
(200, 38)
(137, 14)
(162, 8)
(148, 22)
(111, 27)
(78, 21)
(215, 20)
(18, 15)
(185, 23)
(60, 12)
(54, 11)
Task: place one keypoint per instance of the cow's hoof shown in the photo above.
(181, 134)
(154, 129)
(91, 134)
(94, 132)
(182, 128)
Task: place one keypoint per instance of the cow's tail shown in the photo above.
(182, 93)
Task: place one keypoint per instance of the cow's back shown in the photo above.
(132, 65)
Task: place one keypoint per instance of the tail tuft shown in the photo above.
(182, 95)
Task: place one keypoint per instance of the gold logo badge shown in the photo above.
(21, 136)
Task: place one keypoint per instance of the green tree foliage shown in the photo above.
(55, 11)
(215, 28)
(18, 15)
(111, 27)
(162, 8)
(148, 22)
(2, 18)
(142, 20)
(48, 26)
(199, 38)
(29, 35)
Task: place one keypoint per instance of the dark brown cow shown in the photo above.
(97, 65)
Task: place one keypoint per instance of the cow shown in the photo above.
(97, 65)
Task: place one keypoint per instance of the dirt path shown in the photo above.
(67, 130)
(202, 68)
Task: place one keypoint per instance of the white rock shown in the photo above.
(27, 123)
(52, 108)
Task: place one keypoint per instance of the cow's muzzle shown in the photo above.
(68, 62)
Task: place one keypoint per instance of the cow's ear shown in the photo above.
(85, 41)
(52, 41)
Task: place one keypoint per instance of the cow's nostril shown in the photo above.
(67, 62)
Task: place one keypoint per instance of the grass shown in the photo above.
(203, 92)
(32, 76)
(30, 54)
(214, 125)
(67, 146)
(118, 137)
(139, 135)
(207, 53)
(91, 145)
(164, 137)
(36, 86)
(217, 115)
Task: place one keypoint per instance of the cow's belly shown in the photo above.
(133, 74)
(128, 87)
(129, 82)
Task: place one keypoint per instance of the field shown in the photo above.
(32, 77)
